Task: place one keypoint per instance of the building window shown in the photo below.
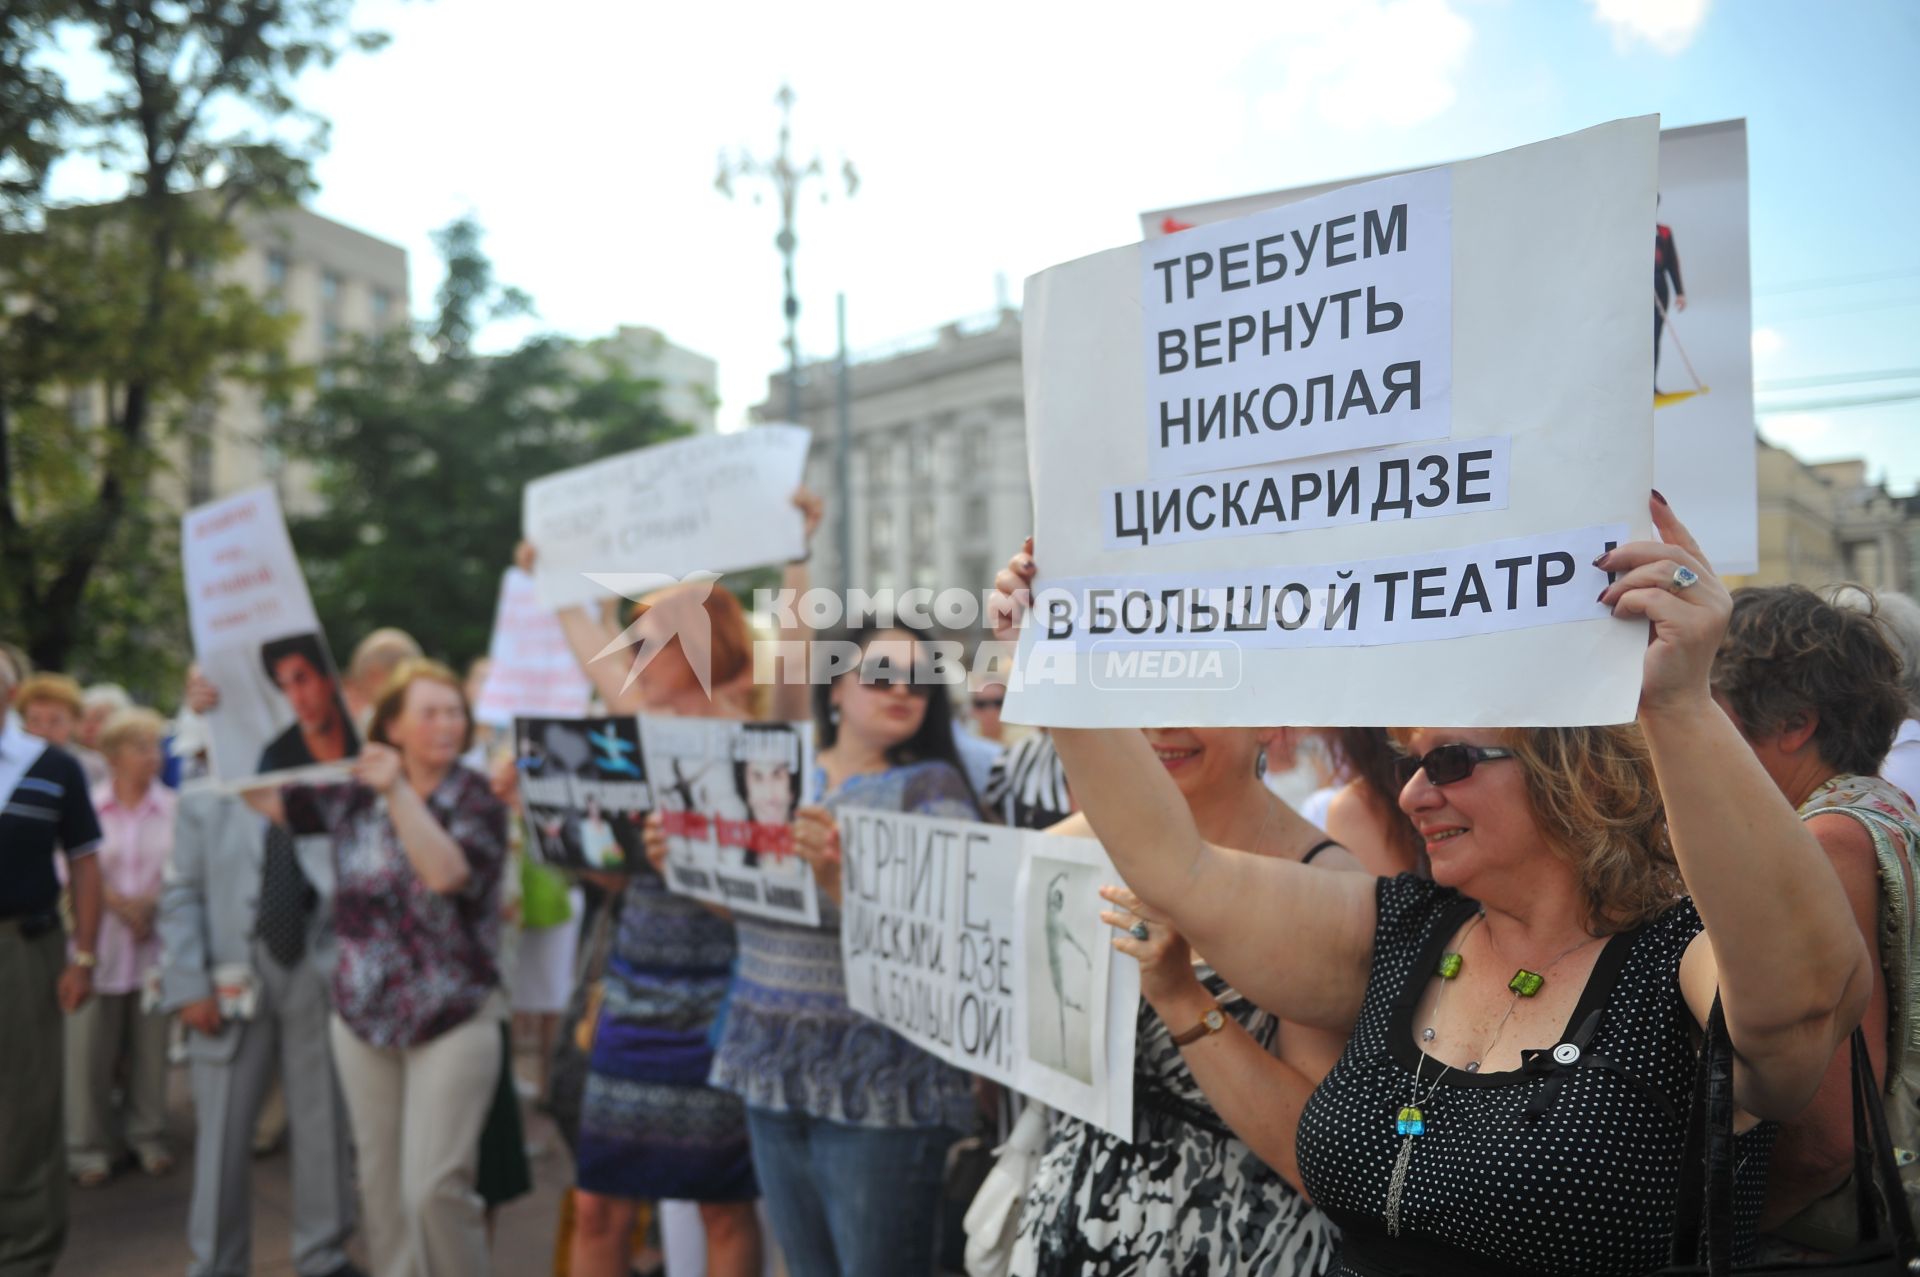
(880, 536)
(881, 465)
(329, 287)
(920, 458)
(276, 270)
(975, 522)
(382, 306)
(976, 573)
(330, 335)
(973, 450)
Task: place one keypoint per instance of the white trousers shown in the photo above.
(416, 1114)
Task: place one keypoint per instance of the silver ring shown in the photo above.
(1138, 930)
(1684, 578)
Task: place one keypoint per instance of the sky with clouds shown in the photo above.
(994, 139)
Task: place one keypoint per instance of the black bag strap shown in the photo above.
(1703, 1216)
(1885, 1174)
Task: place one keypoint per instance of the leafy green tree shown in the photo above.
(117, 329)
(422, 457)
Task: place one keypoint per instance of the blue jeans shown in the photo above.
(850, 1201)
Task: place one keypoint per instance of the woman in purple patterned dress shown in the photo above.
(418, 846)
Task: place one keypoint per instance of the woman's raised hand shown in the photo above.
(1670, 583)
(1012, 594)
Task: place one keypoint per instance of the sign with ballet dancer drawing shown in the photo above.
(984, 946)
(726, 792)
(1349, 459)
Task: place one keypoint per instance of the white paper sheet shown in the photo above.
(258, 640)
(983, 945)
(716, 503)
(1549, 352)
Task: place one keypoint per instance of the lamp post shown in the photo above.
(787, 178)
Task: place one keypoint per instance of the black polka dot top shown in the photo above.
(1567, 1165)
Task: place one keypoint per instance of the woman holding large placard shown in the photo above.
(851, 1123)
(1209, 1182)
(1523, 1027)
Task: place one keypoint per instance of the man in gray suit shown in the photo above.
(248, 963)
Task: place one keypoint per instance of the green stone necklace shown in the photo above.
(1411, 1121)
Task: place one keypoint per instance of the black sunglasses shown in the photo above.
(988, 702)
(1446, 764)
(884, 675)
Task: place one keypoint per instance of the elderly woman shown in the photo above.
(1513, 1094)
(418, 845)
(111, 1036)
(1816, 690)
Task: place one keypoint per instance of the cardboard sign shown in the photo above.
(1221, 537)
(727, 792)
(281, 714)
(984, 946)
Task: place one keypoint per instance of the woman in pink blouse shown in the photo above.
(112, 1032)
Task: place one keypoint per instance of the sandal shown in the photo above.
(156, 1162)
(92, 1177)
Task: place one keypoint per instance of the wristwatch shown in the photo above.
(1210, 1023)
(84, 960)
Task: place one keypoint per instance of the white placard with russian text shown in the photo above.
(984, 946)
(1546, 454)
(257, 639)
(1318, 327)
(716, 503)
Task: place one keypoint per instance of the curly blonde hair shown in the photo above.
(1593, 794)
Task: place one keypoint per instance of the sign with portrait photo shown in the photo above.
(282, 715)
(727, 792)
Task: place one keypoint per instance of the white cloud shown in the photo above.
(1767, 342)
(1367, 63)
(1667, 25)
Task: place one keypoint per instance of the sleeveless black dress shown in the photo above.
(1568, 1165)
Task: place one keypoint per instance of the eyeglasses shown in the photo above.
(988, 702)
(1446, 764)
(884, 676)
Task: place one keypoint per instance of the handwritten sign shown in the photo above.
(983, 945)
(255, 634)
(727, 792)
(716, 503)
(530, 669)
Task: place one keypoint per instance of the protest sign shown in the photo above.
(530, 669)
(585, 790)
(1243, 551)
(984, 946)
(281, 714)
(716, 503)
(727, 792)
(1703, 456)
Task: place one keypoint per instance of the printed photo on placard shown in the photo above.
(257, 640)
(585, 790)
(1061, 990)
(727, 792)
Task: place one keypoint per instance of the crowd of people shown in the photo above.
(1413, 999)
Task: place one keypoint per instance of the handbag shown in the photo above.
(994, 1218)
(1703, 1218)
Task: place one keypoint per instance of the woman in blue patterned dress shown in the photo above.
(851, 1123)
(650, 1127)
